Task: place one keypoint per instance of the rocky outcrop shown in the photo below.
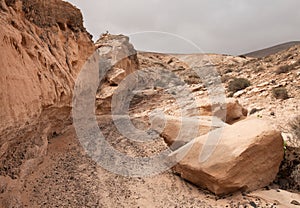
(45, 47)
(246, 157)
(119, 60)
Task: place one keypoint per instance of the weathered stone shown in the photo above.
(178, 131)
(239, 93)
(120, 61)
(231, 111)
(38, 71)
(245, 157)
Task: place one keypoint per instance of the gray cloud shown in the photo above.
(217, 26)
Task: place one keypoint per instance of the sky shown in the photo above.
(193, 26)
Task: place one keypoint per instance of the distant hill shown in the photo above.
(272, 50)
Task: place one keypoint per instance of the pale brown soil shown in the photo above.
(69, 178)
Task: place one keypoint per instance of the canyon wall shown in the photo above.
(43, 46)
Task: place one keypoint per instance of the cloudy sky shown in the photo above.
(217, 26)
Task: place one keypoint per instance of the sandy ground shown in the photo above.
(69, 178)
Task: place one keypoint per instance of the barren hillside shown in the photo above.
(272, 50)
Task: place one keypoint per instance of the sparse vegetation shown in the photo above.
(280, 93)
(294, 126)
(284, 69)
(238, 84)
(268, 59)
(259, 69)
(287, 68)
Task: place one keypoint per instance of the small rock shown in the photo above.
(294, 202)
(253, 204)
(265, 93)
(263, 84)
(239, 93)
(254, 110)
(256, 90)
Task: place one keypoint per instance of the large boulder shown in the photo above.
(178, 131)
(245, 157)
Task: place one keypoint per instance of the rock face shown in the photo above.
(50, 13)
(246, 158)
(120, 61)
(43, 63)
(178, 131)
(45, 47)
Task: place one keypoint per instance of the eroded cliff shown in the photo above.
(43, 47)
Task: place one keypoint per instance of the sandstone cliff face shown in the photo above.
(50, 13)
(43, 46)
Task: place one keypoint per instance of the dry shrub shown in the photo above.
(284, 69)
(280, 93)
(238, 84)
(287, 68)
(259, 69)
(294, 126)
